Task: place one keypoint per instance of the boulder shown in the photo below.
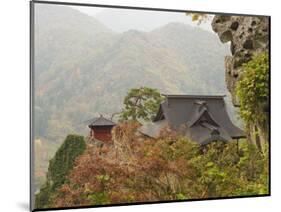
(247, 35)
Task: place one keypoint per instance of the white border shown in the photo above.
(14, 88)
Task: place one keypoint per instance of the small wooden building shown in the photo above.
(101, 129)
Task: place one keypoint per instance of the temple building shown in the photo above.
(202, 119)
(101, 129)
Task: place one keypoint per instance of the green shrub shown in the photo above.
(62, 163)
(253, 89)
(59, 167)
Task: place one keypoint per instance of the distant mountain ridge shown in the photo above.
(120, 20)
(83, 68)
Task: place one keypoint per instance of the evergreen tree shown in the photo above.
(141, 104)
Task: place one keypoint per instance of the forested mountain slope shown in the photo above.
(83, 68)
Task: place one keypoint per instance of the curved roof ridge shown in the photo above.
(193, 96)
(101, 121)
(199, 115)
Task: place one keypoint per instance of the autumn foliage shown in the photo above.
(139, 169)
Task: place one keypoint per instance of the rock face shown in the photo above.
(247, 35)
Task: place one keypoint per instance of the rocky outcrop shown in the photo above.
(247, 35)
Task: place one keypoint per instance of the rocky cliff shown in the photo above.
(247, 36)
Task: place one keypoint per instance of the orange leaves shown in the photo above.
(138, 169)
(134, 169)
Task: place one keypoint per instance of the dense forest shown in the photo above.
(83, 68)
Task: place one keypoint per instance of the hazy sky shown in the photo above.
(89, 10)
(124, 19)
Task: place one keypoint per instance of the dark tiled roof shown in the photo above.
(194, 96)
(101, 121)
(204, 117)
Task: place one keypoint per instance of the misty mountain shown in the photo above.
(83, 68)
(121, 20)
